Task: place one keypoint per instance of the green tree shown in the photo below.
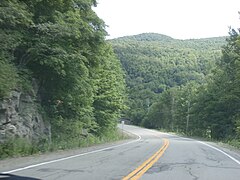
(62, 45)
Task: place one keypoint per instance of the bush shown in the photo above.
(8, 78)
(16, 147)
(235, 143)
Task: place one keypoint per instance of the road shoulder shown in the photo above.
(19, 162)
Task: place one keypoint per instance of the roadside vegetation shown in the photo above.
(21, 147)
(62, 45)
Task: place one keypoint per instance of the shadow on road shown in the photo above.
(15, 177)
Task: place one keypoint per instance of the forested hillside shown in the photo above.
(189, 86)
(154, 63)
(61, 46)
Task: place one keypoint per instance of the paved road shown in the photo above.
(155, 155)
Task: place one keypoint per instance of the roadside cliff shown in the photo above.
(21, 117)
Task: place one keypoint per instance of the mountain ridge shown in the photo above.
(159, 36)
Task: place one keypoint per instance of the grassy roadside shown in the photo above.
(235, 143)
(20, 147)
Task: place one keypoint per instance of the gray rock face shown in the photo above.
(20, 117)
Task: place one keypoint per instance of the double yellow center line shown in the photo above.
(137, 173)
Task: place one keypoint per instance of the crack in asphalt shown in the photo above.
(170, 167)
(210, 155)
(191, 174)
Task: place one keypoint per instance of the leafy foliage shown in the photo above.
(221, 109)
(8, 78)
(62, 44)
(154, 63)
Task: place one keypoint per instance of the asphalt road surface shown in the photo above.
(151, 155)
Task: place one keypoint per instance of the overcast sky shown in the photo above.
(180, 19)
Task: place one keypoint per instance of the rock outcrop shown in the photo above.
(20, 116)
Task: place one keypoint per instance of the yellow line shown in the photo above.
(137, 173)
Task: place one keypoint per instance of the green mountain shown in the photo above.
(154, 63)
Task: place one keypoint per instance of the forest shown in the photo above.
(185, 86)
(61, 44)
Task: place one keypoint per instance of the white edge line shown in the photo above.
(219, 150)
(70, 157)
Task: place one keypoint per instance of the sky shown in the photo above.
(180, 19)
